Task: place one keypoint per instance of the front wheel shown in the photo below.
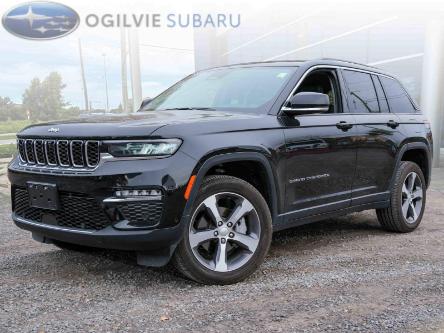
(407, 200)
(228, 235)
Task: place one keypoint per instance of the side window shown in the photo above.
(361, 91)
(383, 105)
(325, 82)
(397, 97)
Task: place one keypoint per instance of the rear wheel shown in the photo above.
(407, 200)
(228, 235)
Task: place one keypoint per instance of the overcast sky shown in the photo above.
(21, 60)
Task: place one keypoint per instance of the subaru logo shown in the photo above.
(40, 20)
(53, 130)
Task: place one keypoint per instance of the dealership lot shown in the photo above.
(336, 275)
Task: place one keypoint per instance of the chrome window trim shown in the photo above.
(311, 69)
(325, 109)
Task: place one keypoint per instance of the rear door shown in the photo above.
(404, 108)
(320, 155)
(378, 136)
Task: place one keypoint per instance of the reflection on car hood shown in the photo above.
(139, 124)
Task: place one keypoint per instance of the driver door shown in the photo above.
(320, 152)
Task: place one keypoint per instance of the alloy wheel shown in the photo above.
(224, 232)
(412, 196)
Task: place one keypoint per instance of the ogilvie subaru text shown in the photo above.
(205, 172)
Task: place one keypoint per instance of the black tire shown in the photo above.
(187, 263)
(392, 218)
(72, 247)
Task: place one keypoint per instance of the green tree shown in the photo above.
(6, 107)
(43, 99)
(33, 99)
(10, 111)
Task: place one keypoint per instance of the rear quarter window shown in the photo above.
(362, 94)
(397, 97)
(383, 104)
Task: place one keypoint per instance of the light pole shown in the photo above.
(82, 71)
(134, 56)
(106, 83)
(123, 57)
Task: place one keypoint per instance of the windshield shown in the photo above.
(243, 88)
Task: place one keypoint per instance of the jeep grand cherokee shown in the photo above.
(206, 171)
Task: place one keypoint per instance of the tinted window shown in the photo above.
(383, 105)
(240, 88)
(323, 82)
(397, 97)
(362, 92)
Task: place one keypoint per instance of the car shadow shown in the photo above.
(98, 264)
(329, 231)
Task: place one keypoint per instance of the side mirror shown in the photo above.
(306, 103)
(145, 102)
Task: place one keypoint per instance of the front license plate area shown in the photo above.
(42, 195)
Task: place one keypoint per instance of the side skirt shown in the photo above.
(289, 220)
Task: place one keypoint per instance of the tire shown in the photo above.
(401, 216)
(72, 247)
(245, 243)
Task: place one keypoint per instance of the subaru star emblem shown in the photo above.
(53, 130)
(40, 20)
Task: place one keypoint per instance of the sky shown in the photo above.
(21, 60)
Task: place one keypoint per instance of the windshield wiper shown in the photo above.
(193, 108)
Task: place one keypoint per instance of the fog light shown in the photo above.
(137, 193)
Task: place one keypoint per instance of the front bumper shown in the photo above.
(108, 238)
(170, 175)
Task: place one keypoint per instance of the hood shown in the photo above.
(119, 126)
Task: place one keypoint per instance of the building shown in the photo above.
(407, 41)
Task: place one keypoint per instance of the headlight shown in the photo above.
(144, 148)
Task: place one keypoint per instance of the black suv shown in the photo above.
(206, 171)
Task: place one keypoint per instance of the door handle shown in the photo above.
(343, 125)
(393, 124)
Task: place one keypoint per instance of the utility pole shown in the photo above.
(82, 71)
(124, 74)
(136, 83)
(106, 83)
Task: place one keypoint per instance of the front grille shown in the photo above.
(63, 153)
(40, 151)
(51, 152)
(30, 155)
(77, 211)
(142, 213)
(59, 153)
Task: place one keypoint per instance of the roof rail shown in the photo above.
(348, 61)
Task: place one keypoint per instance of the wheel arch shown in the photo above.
(208, 163)
(419, 153)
